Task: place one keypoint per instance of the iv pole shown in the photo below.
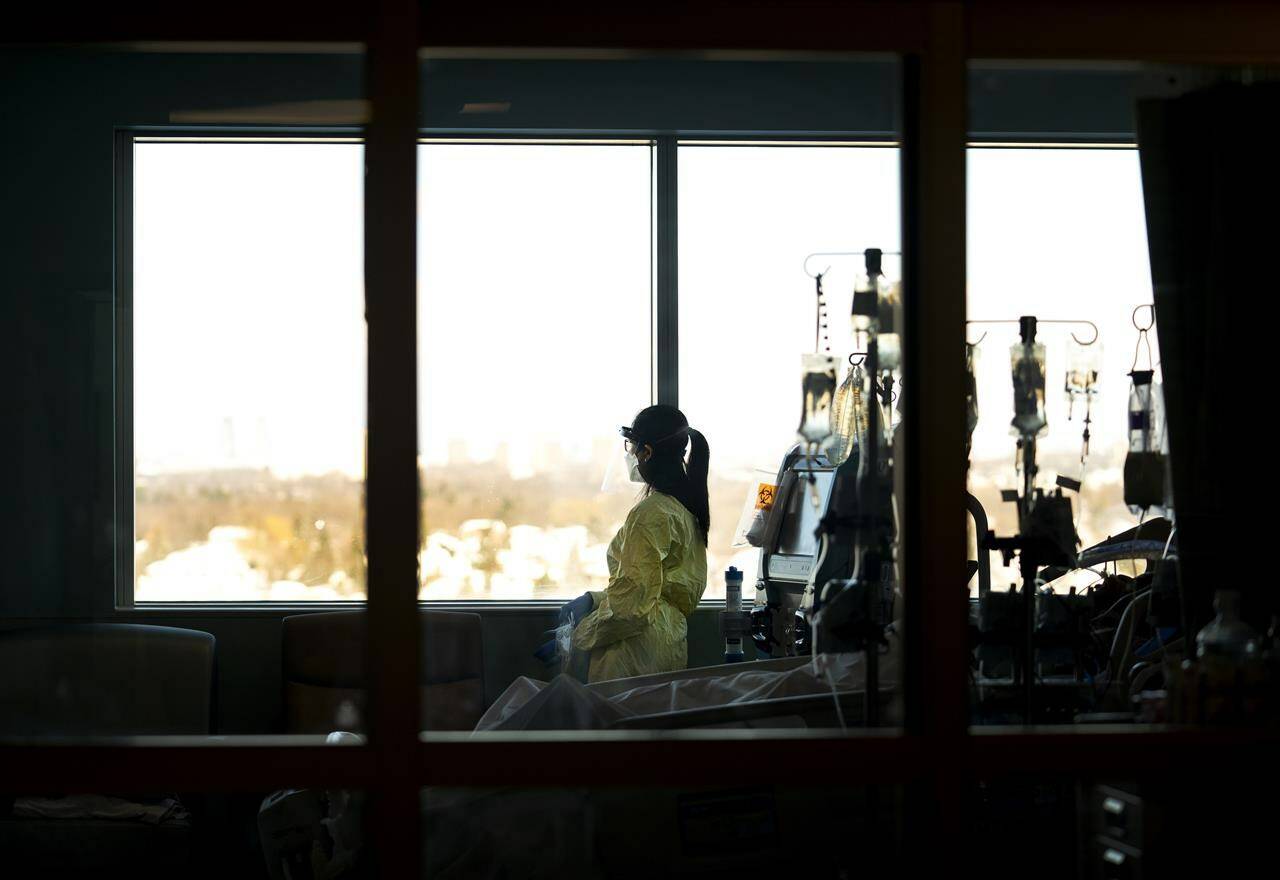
(1033, 547)
(851, 611)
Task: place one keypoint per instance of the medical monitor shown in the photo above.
(792, 552)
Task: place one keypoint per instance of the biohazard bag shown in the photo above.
(756, 510)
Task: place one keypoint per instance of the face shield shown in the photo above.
(623, 471)
(622, 474)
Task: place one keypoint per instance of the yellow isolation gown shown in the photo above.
(657, 574)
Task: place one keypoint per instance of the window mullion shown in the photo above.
(123, 501)
(666, 272)
(391, 481)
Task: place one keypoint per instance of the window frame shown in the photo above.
(124, 487)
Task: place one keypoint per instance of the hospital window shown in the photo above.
(248, 372)
(248, 435)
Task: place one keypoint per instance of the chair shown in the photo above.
(106, 679)
(101, 680)
(324, 679)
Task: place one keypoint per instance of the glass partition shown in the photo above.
(1098, 264)
(185, 244)
(613, 304)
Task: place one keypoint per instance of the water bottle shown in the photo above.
(733, 619)
(1230, 663)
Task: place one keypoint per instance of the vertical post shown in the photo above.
(391, 475)
(934, 132)
(123, 535)
(666, 310)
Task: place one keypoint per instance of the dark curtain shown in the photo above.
(1211, 180)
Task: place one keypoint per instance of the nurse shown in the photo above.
(657, 560)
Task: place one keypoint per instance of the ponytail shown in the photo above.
(698, 501)
(666, 470)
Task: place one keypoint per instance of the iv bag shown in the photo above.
(1144, 466)
(866, 302)
(818, 387)
(1082, 374)
(849, 416)
(1029, 418)
(889, 350)
(970, 392)
(876, 301)
(899, 407)
(889, 304)
(1146, 413)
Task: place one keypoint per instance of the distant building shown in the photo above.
(459, 453)
(549, 457)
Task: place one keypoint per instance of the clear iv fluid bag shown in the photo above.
(1146, 413)
(970, 391)
(849, 416)
(876, 303)
(1027, 361)
(889, 304)
(1082, 374)
(1144, 466)
(866, 303)
(889, 350)
(818, 388)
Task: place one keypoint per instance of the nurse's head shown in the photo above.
(658, 438)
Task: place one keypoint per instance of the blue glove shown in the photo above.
(546, 652)
(578, 609)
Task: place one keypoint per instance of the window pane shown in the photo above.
(1059, 234)
(191, 350)
(534, 346)
(748, 217)
(249, 371)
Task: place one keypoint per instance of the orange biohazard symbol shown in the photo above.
(765, 495)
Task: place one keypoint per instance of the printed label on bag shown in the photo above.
(765, 495)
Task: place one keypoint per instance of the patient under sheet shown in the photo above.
(567, 704)
(489, 834)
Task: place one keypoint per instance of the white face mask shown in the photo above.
(633, 468)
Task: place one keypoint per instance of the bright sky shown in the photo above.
(748, 218)
(1056, 233)
(534, 298)
(535, 293)
(249, 342)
